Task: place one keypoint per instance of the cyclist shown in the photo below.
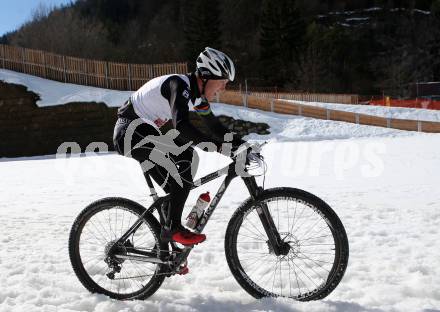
(167, 99)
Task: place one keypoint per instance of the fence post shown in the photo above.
(22, 60)
(245, 94)
(64, 69)
(129, 77)
(150, 71)
(45, 65)
(85, 71)
(3, 56)
(106, 75)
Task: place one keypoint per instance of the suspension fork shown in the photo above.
(279, 247)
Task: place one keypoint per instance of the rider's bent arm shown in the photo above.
(214, 124)
(177, 93)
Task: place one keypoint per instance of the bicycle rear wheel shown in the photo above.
(318, 246)
(95, 232)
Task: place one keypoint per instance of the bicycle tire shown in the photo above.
(75, 254)
(318, 210)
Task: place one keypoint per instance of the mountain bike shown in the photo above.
(280, 242)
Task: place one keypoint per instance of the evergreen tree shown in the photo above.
(201, 26)
(434, 42)
(408, 53)
(5, 38)
(114, 14)
(313, 67)
(282, 31)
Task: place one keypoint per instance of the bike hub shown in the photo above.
(285, 246)
(293, 243)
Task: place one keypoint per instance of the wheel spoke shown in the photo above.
(257, 237)
(310, 238)
(315, 261)
(262, 235)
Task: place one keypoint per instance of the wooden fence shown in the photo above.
(309, 97)
(110, 75)
(284, 107)
(122, 76)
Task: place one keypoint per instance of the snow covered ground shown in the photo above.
(383, 183)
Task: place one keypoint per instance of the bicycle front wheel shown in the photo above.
(318, 247)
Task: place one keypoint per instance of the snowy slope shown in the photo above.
(385, 191)
(55, 93)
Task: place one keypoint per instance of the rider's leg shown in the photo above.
(142, 153)
(187, 163)
(140, 132)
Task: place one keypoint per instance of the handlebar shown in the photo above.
(249, 153)
(254, 148)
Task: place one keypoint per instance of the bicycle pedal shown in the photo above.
(184, 271)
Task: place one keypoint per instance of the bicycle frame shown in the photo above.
(274, 238)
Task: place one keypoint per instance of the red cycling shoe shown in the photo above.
(186, 237)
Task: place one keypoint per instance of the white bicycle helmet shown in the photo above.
(213, 64)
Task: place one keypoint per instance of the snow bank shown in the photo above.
(297, 128)
(382, 111)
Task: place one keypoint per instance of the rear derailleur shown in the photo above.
(114, 264)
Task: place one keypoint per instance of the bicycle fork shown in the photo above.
(275, 242)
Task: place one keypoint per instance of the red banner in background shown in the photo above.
(419, 103)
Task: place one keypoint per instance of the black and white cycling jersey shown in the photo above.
(171, 97)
